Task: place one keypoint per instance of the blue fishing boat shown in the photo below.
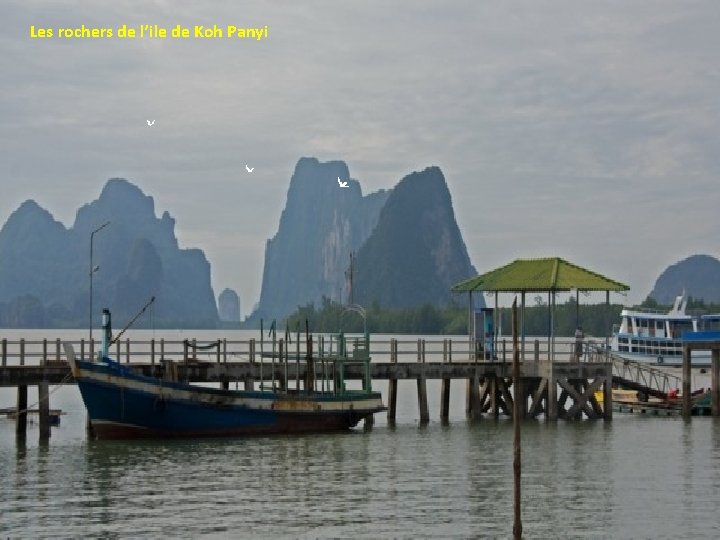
(123, 403)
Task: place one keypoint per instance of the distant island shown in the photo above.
(408, 250)
(44, 267)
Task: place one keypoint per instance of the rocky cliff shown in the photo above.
(137, 255)
(698, 276)
(416, 253)
(319, 227)
(409, 250)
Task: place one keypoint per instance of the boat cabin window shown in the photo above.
(711, 323)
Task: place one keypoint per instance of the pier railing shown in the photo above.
(434, 349)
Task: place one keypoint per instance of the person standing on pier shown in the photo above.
(578, 343)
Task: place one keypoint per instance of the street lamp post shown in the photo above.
(93, 269)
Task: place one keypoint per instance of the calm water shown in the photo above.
(630, 478)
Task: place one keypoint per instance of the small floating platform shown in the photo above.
(627, 402)
(54, 414)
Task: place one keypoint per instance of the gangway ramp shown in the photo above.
(633, 375)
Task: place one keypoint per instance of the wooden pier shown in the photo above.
(561, 387)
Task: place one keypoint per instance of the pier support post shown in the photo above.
(250, 380)
(21, 416)
(445, 388)
(686, 383)
(607, 395)
(473, 405)
(445, 400)
(422, 400)
(392, 385)
(715, 382)
(551, 409)
(44, 410)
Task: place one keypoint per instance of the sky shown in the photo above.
(586, 130)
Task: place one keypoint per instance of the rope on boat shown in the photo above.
(133, 320)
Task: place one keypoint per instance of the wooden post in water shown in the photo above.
(21, 417)
(422, 386)
(392, 384)
(445, 388)
(686, 382)
(82, 349)
(715, 381)
(44, 400)
(152, 352)
(57, 350)
(22, 355)
(44, 410)
(310, 368)
(517, 471)
(127, 350)
(551, 409)
(249, 380)
(4, 352)
(607, 396)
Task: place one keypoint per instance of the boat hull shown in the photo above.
(122, 404)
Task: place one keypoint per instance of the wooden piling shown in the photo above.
(44, 410)
(607, 397)
(127, 351)
(22, 354)
(21, 418)
(392, 385)
(551, 407)
(422, 400)
(57, 350)
(249, 380)
(517, 522)
(715, 382)
(4, 352)
(152, 352)
(445, 387)
(686, 382)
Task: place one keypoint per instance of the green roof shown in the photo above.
(537, 275)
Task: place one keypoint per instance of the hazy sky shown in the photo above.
(583, 129)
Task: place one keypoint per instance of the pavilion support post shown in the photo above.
(686, 382)
(715, 382)
(522, 325)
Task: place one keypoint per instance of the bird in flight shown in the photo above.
(150, 123)
(249, 169)
(342, 184)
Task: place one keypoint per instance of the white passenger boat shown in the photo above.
(656, 337)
